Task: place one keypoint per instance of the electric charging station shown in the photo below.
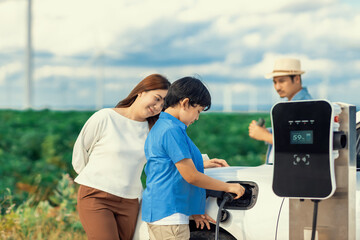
(314, 159)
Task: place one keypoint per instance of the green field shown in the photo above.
(37, 195)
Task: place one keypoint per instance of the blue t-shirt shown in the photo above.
(166, 190)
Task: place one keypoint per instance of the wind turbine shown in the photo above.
(29, 60)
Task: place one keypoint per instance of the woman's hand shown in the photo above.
(202, 220)
(213, 163)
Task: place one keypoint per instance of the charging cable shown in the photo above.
(277, 222)
(316, 202)
(228, 197)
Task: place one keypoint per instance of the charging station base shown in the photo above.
(336, 215)
(321, 233)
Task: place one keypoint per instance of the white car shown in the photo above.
(259, 215)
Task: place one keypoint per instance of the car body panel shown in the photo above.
(258, 222)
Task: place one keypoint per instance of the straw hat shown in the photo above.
(285, 67)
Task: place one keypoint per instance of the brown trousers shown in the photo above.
(105, 216)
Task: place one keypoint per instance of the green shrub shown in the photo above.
(36, 149)
(225, 135)
(43, 220)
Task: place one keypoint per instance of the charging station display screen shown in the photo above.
(301, 137)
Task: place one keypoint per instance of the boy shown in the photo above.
(175, 184)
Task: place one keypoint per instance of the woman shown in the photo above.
(109, 157)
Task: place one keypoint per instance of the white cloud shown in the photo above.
(83, 72)
(239, 39)
(314, 68)
(138, 73)
(341, 91)
(12, 27)
(72, 27)
(113, 86)
(84, 93)
(266, 64)
(252, 40)
(8, 69)
(205, 10)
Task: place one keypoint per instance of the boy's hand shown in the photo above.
(202, 220)
(214, 163)
(236, 189)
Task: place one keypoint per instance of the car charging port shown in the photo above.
(245, 202)
(227, 201)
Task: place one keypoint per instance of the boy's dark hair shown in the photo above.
(188, 87)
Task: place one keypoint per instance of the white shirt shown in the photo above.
(109, 154)
(174, 219)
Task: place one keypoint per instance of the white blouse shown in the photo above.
(109, 154)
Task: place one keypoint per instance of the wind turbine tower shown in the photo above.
(29, 59)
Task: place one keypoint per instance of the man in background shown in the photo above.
(287, 83)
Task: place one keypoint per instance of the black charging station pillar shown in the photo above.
(336, 210)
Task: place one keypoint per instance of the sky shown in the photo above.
(90, 54)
